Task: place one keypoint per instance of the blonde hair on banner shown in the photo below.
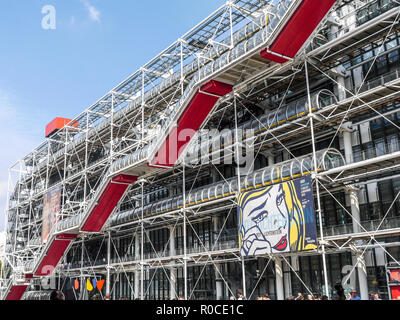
(243, 204)
(297, 230)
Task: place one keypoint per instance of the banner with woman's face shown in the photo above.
(277, 219)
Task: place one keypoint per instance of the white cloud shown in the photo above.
(94, 13)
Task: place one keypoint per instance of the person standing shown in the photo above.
(354, 295)
(371, 296)
(57, 295)
(299, 296)
(240, 295)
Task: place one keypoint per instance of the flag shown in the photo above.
(76, 284)
(100, 284)
(94, 282)
(89, 286)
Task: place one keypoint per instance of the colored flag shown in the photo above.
(89, 286)
(94, 282)
(76, 284)
(100, 284)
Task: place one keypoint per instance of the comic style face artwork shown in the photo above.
(275, 219)
(51, 208)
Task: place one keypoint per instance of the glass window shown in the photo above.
(386, 190)
(356, 61)
(380, 147)
(382, 65)
(393, 143)
(391, 44)
(362, 16)
(373, 10)
(393, 57)
(367, 55)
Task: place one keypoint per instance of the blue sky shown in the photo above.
(61, 72)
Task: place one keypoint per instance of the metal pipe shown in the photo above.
(108, 262)
(142, 251)
(184, 233)
(363, 163)
(319, 210)
(239, 187)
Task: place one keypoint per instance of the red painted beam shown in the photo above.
(190, 121)
(299, 28)
(123, 178)
(108, 200)
(216, 87)
(16, 292)
(54, 253)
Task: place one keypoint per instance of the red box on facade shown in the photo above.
(58, 124)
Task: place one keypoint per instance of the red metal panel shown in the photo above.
(299, 28)
(395, 290)
(216, 87)
(394, 275)
(394, 283)
(16, 292)
(107, 202)
(123, 178)
(189, 123)
(54, 253)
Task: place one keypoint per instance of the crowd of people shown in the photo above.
(309, 297)
(352, 295)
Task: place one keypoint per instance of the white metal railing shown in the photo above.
(355, 18)
(275, 118)
(231, 241)
(216, 51)
(380, 149)
(245, 40)
(276, 15)
(367, 226)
